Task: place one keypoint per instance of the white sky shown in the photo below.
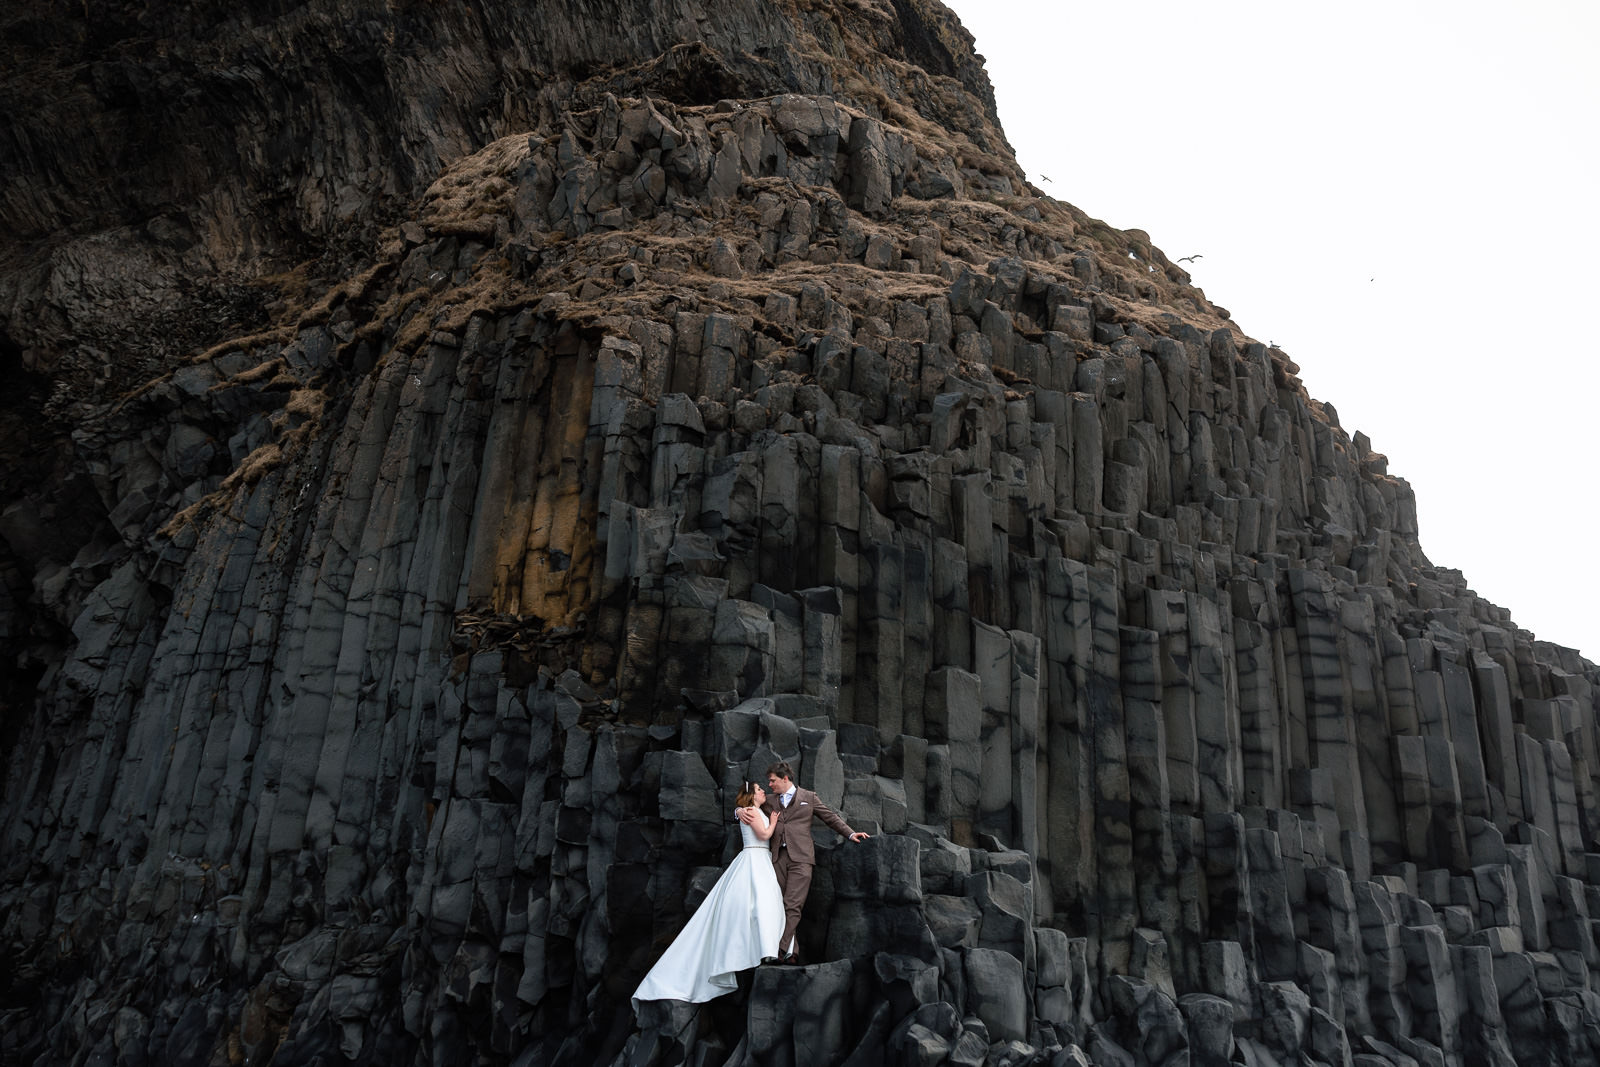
(1401, 196)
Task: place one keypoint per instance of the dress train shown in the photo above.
(735, 928)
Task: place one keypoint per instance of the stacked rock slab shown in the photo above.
(666, 440)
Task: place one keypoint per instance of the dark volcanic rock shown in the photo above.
(453, 446)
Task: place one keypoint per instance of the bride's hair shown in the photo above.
(747, 795)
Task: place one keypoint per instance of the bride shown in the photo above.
(736, 927)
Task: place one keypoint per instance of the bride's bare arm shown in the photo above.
(760, 823)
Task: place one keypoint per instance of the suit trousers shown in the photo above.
(795, 881)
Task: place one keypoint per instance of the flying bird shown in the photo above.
(1190, 259)
(1046, 178)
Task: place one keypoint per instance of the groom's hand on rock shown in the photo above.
(859, 836)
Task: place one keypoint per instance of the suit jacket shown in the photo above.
(793, 831)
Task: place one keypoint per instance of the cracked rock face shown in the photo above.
(670, 391)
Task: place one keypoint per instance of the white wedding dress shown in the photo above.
(735, 928)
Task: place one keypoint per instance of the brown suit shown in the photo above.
(794, 854)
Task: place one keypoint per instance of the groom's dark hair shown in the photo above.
(782, 770)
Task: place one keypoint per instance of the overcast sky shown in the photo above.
(1401, 196)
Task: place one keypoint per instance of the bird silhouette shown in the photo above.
(1190, 259)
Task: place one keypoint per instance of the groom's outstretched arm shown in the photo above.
(835, 821)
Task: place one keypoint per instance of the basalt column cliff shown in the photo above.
(448, 445)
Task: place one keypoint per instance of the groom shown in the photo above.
(794, 854)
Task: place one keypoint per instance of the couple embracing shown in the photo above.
(750, 915)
